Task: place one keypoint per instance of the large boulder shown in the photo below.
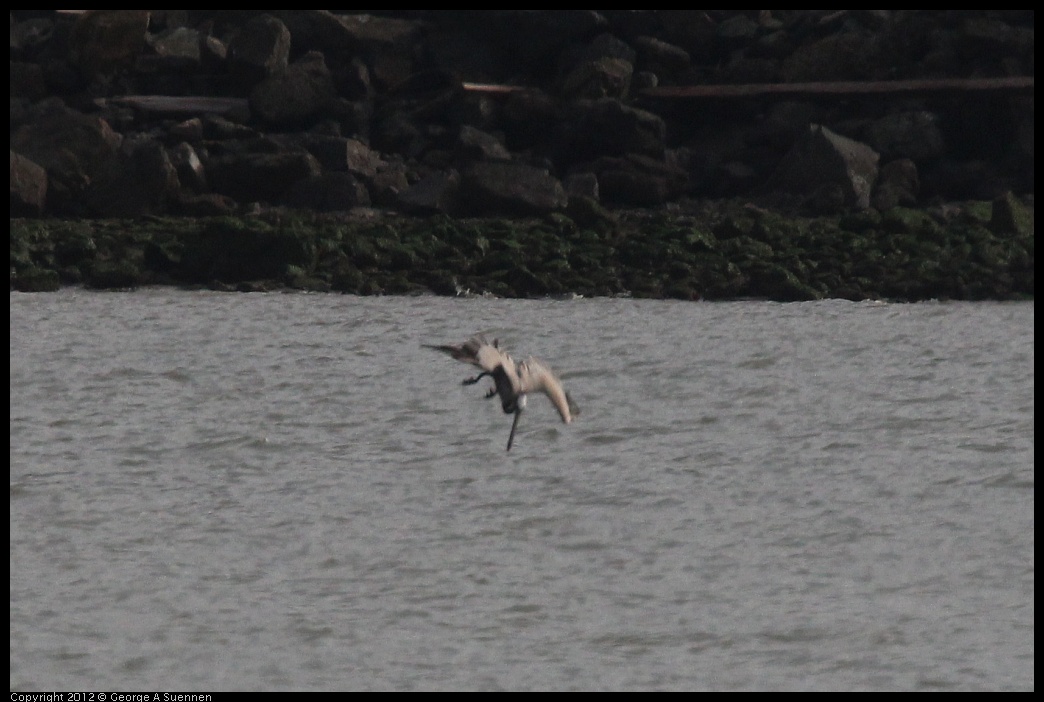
(260, 177)
(294, 96)
(1009, 217)
(191, 173)
(140, 180)
(848, 56)
(602, 68)
(608, 127)
(661, 58)
(827, 171)
(389, 182)
(511, 189)
(898, 183)
(478, 145)
(28, 81)
(388, 45)
(72, 147)
(102, 41)
(914, 135)
(28, 187)
(260, 49)
(528, 118)
(336, 153)
(328, 192)
(178, 42)
(637, 180)
(437, 192)
(355, 46)
(602, 77)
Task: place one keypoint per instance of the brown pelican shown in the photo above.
(512, 380)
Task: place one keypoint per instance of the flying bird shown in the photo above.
(512, 380)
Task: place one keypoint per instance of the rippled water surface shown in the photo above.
(286, 491)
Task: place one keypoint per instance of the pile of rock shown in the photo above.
(121, 113)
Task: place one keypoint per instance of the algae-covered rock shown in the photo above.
(34, 279)
(587, 213)
(348, 279)
(73, 244)
(1009, 216)
(114, 275)
(234, 249)
(777, 282)
(713, 252)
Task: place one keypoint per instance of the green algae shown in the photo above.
(724, 250)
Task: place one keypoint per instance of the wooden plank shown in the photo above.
(492, 88)
(173, 104)
(1015, 85)
(1011, 85)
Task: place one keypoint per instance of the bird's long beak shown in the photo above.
(514, 425)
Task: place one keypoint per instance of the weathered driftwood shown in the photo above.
(492, 88)
(173, 104)
(1015, 85)
(1021, 85)
(1011, 85)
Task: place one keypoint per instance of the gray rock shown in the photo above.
(294, 96)
(262, 177)
(897, 184)
(829, 170)
(438, 192)
(583, 184)
(328, 192)
(637, 180)
(102, 41)
(602, 77)
(141, 180)
(608, 127)
(72, 147)
(511, 189)
(260, 49)
(189, 167)
(28, 187)
(475, 144)
(913, 135)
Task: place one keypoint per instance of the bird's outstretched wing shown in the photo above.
(477, 351)
(534, 376)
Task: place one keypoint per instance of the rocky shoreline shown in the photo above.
(525, 153)
(713, 250)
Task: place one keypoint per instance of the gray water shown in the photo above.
(285, 491)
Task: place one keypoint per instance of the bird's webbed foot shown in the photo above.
(472, 381)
